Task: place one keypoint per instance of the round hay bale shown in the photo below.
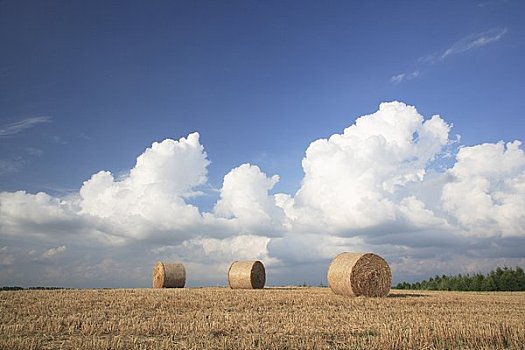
(355, 274)
(249, 274)
(169, 275)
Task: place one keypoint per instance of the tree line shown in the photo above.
(500, 279)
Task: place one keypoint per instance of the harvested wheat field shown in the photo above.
(274, 318)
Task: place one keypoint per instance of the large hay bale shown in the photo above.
(355, 274)
(169, 275)
(248, 274)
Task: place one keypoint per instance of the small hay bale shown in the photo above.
(355, 274)
(169, 275)
(249, 274)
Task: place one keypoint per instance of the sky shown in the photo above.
(205, 132)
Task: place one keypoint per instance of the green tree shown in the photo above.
(489, 284)
(500, 279)
(444, 283)
(519, 276)
(476, 282)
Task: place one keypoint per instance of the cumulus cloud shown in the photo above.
(33, 215)
(486, 192)
(379, 186)
(245, 200)
(150, 201)
(358, 179)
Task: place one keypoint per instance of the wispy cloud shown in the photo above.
(488, 3)
(36, 152)
(17, 127)
(472, 41)
(396, 79)
(58, 140)
(10, 166)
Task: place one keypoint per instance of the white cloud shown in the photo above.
(396, 79)
(373, 187)
(213, 250)
(357, 180)
(151, 199)
(486, 194)
(474, 41)
(244, 199)
(470, 42)
(24, 124)
(50, 253)
(298, 248)
(18, 210)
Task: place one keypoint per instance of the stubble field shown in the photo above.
(274, 318)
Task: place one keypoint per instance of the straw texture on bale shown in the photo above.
(248, 274)
(355, 274)
(169, 275)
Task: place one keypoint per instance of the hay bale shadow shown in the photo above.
(407, 295)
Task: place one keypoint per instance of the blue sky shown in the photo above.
(88, 86)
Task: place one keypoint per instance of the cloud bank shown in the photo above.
(381, 185)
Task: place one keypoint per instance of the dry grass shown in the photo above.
(220, 318)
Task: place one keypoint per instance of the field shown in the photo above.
(274, 318)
